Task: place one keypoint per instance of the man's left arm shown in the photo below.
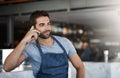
(78, 64)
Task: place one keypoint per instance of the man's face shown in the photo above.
(43, 25)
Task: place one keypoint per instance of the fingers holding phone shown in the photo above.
(35, 33)
(31, 35)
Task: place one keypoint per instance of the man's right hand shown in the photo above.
(31, 35)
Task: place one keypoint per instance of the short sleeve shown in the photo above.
(25, 52)
(70, 47)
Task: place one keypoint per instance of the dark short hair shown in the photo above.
(36, 14)
(85, 39)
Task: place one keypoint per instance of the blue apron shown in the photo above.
(53, 65)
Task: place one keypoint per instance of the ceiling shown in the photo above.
(6, 2)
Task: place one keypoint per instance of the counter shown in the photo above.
(92, 70)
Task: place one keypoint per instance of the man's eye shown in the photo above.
(49, 23)
(41, 24)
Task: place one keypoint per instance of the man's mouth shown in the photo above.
(45, 34)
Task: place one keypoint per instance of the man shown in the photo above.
(48, 54)
(88, 52)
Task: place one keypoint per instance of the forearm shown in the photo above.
(13, 59)
(17, 57)
(80, 72)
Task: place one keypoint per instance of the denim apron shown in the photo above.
(53, 65)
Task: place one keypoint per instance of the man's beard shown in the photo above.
(41, 35)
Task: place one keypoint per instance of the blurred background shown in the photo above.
(96, 20)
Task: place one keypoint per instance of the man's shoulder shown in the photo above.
(63, 40)
(59, 37)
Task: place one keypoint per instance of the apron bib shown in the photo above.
(53, 65)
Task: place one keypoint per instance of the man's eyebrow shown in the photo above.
(41, 23)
